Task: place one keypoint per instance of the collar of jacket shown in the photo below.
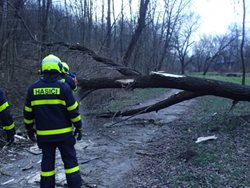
(50, 77)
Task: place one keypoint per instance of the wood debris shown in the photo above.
(205, 138)
(7, 182)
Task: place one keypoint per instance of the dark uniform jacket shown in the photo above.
(69, 80)
(5, 116)
(50, 105)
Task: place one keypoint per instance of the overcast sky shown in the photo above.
(217, 15)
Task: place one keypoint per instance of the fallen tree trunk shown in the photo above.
(201, 86)
(174, 99)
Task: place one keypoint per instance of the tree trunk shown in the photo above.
(242, 44)
(174, 99)
(44, 24)
(159, 80)
(108, 42)
(137, 34)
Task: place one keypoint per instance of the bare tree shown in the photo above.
(242, 43)
(183, 40)
(209, 50)
(138, 31)
(109, 27)
(174, 9)
(44, 16)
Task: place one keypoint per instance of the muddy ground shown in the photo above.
(150, 150)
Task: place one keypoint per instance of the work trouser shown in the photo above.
(68, 155)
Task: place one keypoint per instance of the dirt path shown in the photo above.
(106, 154)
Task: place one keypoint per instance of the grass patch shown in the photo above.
(224, 158)
(216, 76)
(205, 157)
(223, 162)
(135, 97)
(215, 113)
(218, 163)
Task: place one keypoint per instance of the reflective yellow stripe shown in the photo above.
(49, 173)
(54, 132)
(48, 101)
(72, 107)
(4, 106)
(28, 121)
(72, 170)
(75, 89)
(27, 109)
(62, 80)
(77, 118)
(9, 127)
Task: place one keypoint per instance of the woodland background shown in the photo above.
(153, 36)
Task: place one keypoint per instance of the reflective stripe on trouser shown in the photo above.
(48, 165)
(68, 155)
(71, 167)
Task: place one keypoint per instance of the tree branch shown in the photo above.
(174, 99)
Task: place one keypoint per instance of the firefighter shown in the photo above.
(51, 107)
(68, 77)
(6, 118)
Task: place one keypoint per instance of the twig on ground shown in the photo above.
(33, 152)
(4, 173)
(112, 138)
(138, 113)
(28, 167)
(87, 161)
(20, 137)
(7, 182)
(86, 184)
(150, 154)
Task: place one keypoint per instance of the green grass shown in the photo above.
(214, 111)
(216, 76)
(218, 163)
(135, 97)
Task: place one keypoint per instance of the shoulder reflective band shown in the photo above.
(27, 121)
(27, 109)
(4, 106)
(9, 127)
(54, 132)
(73, 107)
(72, 170)
(49, 173)
(77, 118)
(48, 102)
(46, 91)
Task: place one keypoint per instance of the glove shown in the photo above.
(10, 136)
(78, 133)
(31, 134)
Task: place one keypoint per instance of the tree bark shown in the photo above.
(137, 34)
(242, 44)
(159, 80)
(108, 42)
(174, 99)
